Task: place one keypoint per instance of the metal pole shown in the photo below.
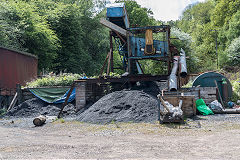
(216, 48)
(183, 64)
(216, 44)
(173, 78)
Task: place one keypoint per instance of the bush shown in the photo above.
(236, 90)
(188, 85)
(234, 52)
(65, 79)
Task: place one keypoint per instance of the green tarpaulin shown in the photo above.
(203, 108)
(49, 95)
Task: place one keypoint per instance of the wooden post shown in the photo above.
(219, 94)
(120, 36)
(66, 100)
(104, 64)
(19, 94)
(194, 107)
(109, 63)
(14, 100)
(111, 52)
(163, 103)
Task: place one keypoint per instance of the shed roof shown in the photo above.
(19, 52)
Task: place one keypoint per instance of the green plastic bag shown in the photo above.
(203, 108)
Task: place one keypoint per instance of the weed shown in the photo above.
(3, 111)
(65, 79)
(61, 120)
(236, 90)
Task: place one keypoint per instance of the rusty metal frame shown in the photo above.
(129, 78)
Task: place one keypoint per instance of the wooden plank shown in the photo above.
(111, 52)
(219, 94)
(188, 104)
(109, 63)
(113, 26)
(20, 96)
(66, 100)
(15, 98)
(104, 64)
(120, 36)
(163, 103)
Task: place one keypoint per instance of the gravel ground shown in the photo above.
(204, 137)
(113, 132)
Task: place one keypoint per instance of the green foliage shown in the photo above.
(65, 79)
(66, 35)
(236, 89)
(185, 41)
(223, 11)
(31, 32)
(3, 111)
(200, 20)
(188, 85)
(59, 120)
(233, 52)
(138, 16)
(234, 27)
(62, 120)
(83, 39)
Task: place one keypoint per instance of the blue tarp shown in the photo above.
(53, 95)
(71, 98)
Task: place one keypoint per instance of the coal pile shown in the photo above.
(35, 107)
(122, 106)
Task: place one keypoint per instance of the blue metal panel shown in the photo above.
(126, 20)
(115, 12)
(138, 44)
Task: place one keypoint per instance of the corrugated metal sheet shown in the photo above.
(207, 80)
(16, 67)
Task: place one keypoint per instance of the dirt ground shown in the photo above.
(205, 137)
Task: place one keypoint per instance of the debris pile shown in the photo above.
(35, 107)
(122, 106)
(174, 111)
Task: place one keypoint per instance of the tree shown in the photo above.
(138, 16)
(223, 11)
(27, 31)
(233, 52)
(66, 35)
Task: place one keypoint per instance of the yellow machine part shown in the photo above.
(149, 42)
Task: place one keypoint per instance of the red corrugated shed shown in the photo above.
(16, 67)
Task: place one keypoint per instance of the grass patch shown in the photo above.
(65, 79)
(59, 120)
